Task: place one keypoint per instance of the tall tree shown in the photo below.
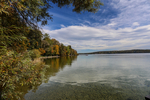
(34, 38)
(57, 49)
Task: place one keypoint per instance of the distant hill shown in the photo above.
(119, 51)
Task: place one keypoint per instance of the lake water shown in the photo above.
(95, 77)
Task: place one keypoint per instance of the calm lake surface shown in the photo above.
(94, 77)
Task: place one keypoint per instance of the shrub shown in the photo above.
(35, 53)
(17, 68)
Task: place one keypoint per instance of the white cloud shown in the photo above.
(84, 37)
(123, 13)
(131, 11)
(135, 24)
(112, 24)
(63, 26)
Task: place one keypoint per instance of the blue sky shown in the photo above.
(118, 25)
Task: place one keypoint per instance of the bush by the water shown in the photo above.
(35, 53)
(17, 68)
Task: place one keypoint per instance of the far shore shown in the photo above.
(49, 57)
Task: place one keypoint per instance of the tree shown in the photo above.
(33, 11)
(57, 49)
(45, 44)
(12, 31)
(34, 38)
(18, 18)
(46, 36)
(80, 5)
(55, 42)
(69, 50)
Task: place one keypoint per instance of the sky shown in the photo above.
(118, 25)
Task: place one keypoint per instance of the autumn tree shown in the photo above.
(16, 16)
(69, 50)
(12, 31)
(34, 39)
(45, 44)
(61, 49)
(52, 47)
(57, 49)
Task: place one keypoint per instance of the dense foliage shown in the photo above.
(52, 47)
(14, 68)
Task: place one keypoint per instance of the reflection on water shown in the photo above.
(52, 67)
(56, 65)
(95, 77)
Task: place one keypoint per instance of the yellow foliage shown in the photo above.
(57, 49)
(42, 50)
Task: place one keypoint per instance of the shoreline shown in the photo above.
(49, 57)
